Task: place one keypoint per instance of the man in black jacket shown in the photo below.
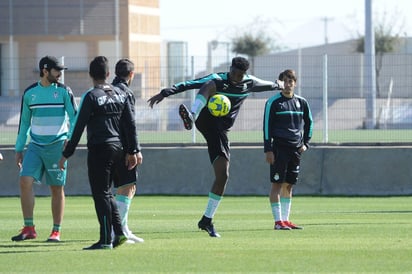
(106, 112)
(125, 181)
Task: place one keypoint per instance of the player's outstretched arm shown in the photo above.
(155, 99)
(164, 93)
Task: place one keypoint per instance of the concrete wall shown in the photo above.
(383, 170)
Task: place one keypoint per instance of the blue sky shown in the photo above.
(294, 23)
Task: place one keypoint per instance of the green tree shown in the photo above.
(251, 46)
(254, 41)
(387, 39)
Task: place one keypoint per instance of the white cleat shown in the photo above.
(132, 239)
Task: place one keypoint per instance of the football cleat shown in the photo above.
(54, 236)
(131, 238)
(292, 225)
(98, 245)
(27, 233)
(186, 116)
(206, 224)
(119, 240)
(280, 225)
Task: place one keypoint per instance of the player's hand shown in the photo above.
(302, 149)
(270, 157)
(133, 160)
(62, 163)
(155, 99)
(280, 84)
(139, 157)
(19, 159)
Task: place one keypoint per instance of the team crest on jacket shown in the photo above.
(55, 95)
(297, 104)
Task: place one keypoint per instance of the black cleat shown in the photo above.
(98, 245)
(119, 240)
(187, 117)
(206, 224)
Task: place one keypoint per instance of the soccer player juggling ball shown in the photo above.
(236, 85)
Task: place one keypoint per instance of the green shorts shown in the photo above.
(42, 160)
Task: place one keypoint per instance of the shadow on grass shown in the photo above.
(38, 246)
(369, 212)
(386, 212)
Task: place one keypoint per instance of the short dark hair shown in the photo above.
(124, 67)
(99, 68)
(289, 73)
(280, 77)
(240, 63)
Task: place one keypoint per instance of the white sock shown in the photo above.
(276, 211)
(123, 204)
(285, 205)
(198, 105)
(212, 205)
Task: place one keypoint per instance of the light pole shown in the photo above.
(370, 73)
(11, 49)
(325, 27)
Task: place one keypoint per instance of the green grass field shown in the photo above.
(341, 235)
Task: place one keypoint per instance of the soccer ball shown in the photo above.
(219, 105)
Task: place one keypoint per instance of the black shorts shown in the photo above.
(216, 138)
(286, 166)
(123, 176)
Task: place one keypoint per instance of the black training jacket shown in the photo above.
(105, 111)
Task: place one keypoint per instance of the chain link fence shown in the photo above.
(334, 89)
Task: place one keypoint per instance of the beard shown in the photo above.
(52, 79)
